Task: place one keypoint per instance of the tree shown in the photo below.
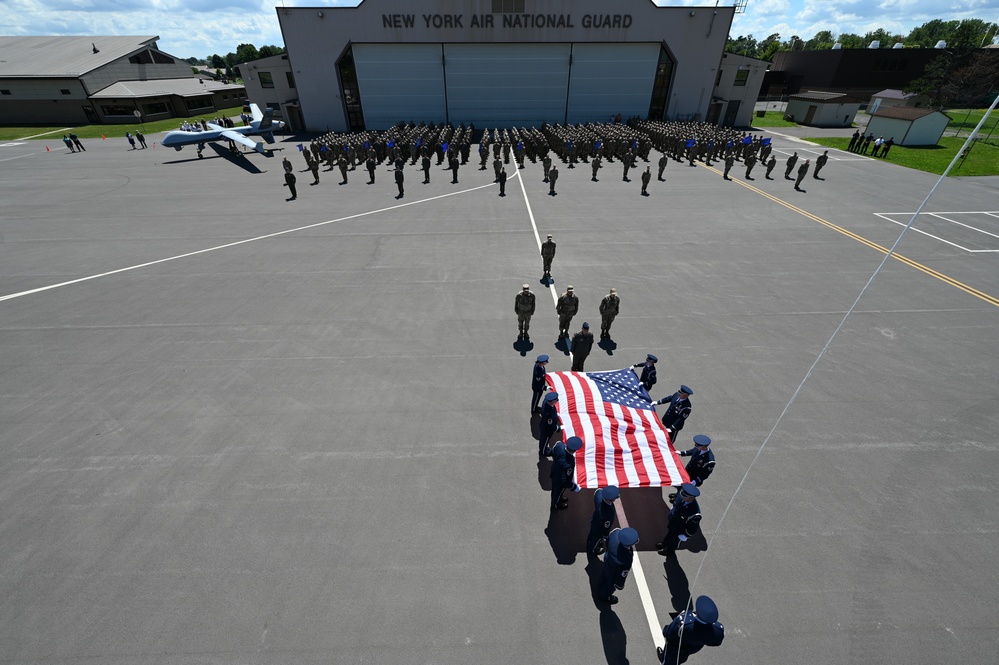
(742, 45)
(850, 40)
(245, 53)
(883, 37)
(268, 51)
(218, 62)
(822, 40)
(768, 47)
(970, 85)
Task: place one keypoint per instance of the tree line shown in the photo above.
(960, 36)
(224, 64)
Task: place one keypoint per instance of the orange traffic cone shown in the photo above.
(47, 149)
(104, 137)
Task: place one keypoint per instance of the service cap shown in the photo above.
(611, 493)
(613, 291)
(551, 397)
(628, 537)
(569, 288)
(573, 443)
(652, 358)
(527, 287)
(685, 390)
(586, 326)
(705, 609)
(543, 358)
(702, 440)
(690, 489)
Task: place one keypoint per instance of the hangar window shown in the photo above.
(141, 58)
(115, 109)
(65, 91)
(197, 104)
(155, 108)
(741, 77)
(4, 92)
(266, 80)
(508, 6)
(291, 79)
(161, 59)
(350, 91)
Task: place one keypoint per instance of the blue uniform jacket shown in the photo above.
(550, 421)
(685, 635)
(604, 513)
(563, 473)
(538, 381)
(700, 466)
(681, 515)
(648, 377)
(618, 559)
(677, 412)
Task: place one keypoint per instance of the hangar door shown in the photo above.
(608, 79)
(506, 85)
(400, 82)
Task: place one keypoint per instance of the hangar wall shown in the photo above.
(557, 61)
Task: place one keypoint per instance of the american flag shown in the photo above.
(624, 443)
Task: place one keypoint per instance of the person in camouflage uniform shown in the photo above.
(547, 254)
(568, 305)
(523, 307)
(609, 307)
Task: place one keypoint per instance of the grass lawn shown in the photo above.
(983, 158)
(50, 132)
(965, 120)
(773, 119)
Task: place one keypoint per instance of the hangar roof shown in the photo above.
(187, 87)
(53, 55)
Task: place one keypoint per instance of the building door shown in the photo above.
(714, 112)
(399, 82)
(507, 85)
(811, 114)
(91, 115)
(731, 113)
(611, 79)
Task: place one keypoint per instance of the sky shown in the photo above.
(199, 28)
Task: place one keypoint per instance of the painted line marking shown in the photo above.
(18, 157)
(970, 290)
(234, 244)
(54, 131)
(939, 215)
(636, 565)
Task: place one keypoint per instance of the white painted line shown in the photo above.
(643, 590)
(904, 224)
(939, 215)
(636, 566)
(18, 157)
(54, 131)
(234, 244)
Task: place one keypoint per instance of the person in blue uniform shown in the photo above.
(604, 515)
(677, 412)
(702, 460)
(550, 422)
(538, 383)
(648, 377)
(684, 520)
(617, 563)
(563, 473)
(691, 631)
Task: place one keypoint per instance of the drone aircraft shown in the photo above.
(262, 125)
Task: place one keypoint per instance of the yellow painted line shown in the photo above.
(981, 295)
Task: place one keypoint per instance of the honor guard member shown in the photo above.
(609, 307)
(802, 172)
(617, 563)
(538, 382)
(563, 473)
(648, 377)
(502, 182)
(581, 345)
(546, 165)
(691, 631)
(677, 412)
(604, 515)
(702, 460)
(370, 165)
(770, 166)
(729, 163)
(821, 161)
(550, 423)
(596, 167)
(663, 161)
(552, 177)
(289, 182)
(566, 308)
(684, 520)
(547, 254)
(523, 307)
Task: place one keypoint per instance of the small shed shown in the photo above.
(822, 109)
(908, 126)
(891, 97)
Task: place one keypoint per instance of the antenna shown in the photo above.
(740, 6)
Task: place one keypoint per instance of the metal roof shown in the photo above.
(64, 56)
(191, 87)
(818, 96)
(904, 112)
(891, 93)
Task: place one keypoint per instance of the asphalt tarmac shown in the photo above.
(237, 429)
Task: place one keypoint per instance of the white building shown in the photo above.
(501, 62)
(270, 84)
(908, 126)
(737, 85)
(822, 109)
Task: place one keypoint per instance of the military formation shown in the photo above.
(697, 626)
(596, 145)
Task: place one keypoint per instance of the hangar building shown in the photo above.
(501, 62)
